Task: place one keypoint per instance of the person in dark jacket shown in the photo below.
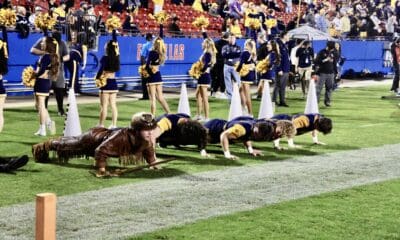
(282, 71)
(77, 61)
(231, 54)
(217, 72)
(305, 53)
(174, 28)
(326, 66)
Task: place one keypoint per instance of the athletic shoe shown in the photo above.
(51, 126)
(41, 131)
(198, 118)
(223, 96)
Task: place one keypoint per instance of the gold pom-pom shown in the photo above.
(200, 22)
(44, 21)
(244, 70)
(8, 18)
(101, 81)
(195, 70)
(254, 23)
(28, 76)
(160, 17)
(271, 23)
(263, 66)
(113, 23)
(143, 72)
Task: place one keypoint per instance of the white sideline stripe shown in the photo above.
(371, 125)
(132, 209)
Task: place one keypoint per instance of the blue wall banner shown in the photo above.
(181, 53)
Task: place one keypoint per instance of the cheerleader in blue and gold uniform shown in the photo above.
(156, 58)
(243, 129)
(77, 58)
(215, 128)
(47, 68)
(208, 59)
(268, 74)
(3, 71)
(178, 129)
(105, 79)
(168, 121)
(313, 123)
(247, 64)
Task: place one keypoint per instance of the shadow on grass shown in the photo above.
(164, 172)
(25, 111)
(216, 159)
(19, 142)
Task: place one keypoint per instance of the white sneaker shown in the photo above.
(223, 96)
(112, 127)
(41, 131)
(198, 118)
(245, 112)
(51, 126)
(398, 94)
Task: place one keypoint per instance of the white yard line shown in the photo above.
(132, 209)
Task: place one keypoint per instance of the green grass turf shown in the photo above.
(361, 119)
(367, 212)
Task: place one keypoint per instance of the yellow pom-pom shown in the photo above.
(254, 23)
(28, 76)
(263, 66)
(8, 18)
(113, 23)
(244, 70)
(160, 17)
(101, 81)
(195, 70)
(271, 23)
(143, 72)
(45, 21)
(200, 22)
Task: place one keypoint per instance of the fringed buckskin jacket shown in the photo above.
(100, 143)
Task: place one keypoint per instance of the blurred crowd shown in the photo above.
(342, 19)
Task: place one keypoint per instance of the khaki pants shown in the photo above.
(305, 76)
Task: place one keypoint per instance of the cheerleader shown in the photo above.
(247, 60)
(3, 71)
(47, 68)
(105, 80)
(156, 58)
(77, 59)
(208, 59)
(274, 58)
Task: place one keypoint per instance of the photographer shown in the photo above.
(305, 53)
(326, 66)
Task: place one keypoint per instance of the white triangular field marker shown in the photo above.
(235, 109)
(183, 106)
(72, 123)
(266, 107)
(312, 102)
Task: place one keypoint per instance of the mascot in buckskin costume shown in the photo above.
(131, 145)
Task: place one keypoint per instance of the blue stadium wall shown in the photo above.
(181, 53)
